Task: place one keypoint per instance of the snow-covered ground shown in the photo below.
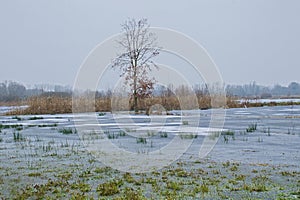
(5, 109)
(268, 100)
(50, 144)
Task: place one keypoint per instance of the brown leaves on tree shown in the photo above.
(145, 88)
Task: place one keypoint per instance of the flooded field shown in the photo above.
(256, 156)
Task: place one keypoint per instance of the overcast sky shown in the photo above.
(249, 40)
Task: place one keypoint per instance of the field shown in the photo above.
(257, 156)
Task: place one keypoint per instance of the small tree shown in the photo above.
(138, 48)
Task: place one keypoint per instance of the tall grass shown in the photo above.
(18, 137)
(58, 105)
(46, 105)
(251, 128)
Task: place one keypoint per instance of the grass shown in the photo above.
(17, 118)
(289, 173)
(288, 196)
(172, 182)
(214, 135)
(34, 174)
(259, 139)
(19, 128)
(163, 134)
(256, 187)
(251, 128)
(128, 178)
(240, 177)
(185, 122)
(64, 176)
(267, 130)
(203, 188)
(109, 188)
(18, 137)
(226, 164)
(47, 148)
(80, 178)
(112, 136)
(67, 131)
(188, 136)
(228, 132)
(226, 139)
(151, 133)
(47, 125)
(141, 140)
(101, 170)
(7, 126)
(128, 130)
(163, 184)
(174, 185)
(122, 133)
(132, 194)
(35, 118)
(64, 144)
(234, 168)
(53, 104)
(181, 173)
(226, 135)
(83, 187)
(101, 114)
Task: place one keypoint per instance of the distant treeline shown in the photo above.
(253, 90)
(59, 99)
(13, 91)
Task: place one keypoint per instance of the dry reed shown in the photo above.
(58, 105)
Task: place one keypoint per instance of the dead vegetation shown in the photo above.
(59, 104)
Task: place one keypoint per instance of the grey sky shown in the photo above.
(249, 40)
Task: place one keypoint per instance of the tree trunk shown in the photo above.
(136, 110)
(135, 105)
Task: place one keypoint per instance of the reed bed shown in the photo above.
(59, 105)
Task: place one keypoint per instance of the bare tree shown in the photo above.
(138, 48)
